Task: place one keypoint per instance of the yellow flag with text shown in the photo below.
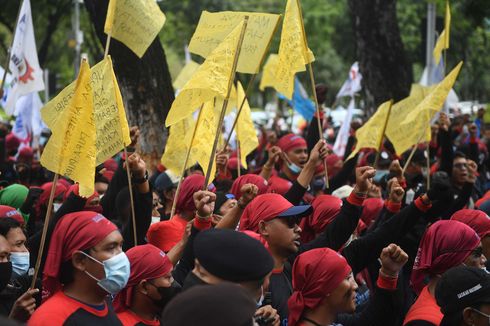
(403, 138)
(70, 151)
(211, 79)
(269, 72)
(178, 143)
(293, 51)
(185, 74)
(136, 23)
(202, 146)
(213, 27)
(112, 128)
(245, 130)
(370, 135)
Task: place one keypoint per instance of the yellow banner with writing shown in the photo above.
(70, 151)
(245, 130)
(268, 78)
(211, 79)
(136, 23)
(293, 53)
(178, 143)
(185, 74)
(213, 27)
(370, 135)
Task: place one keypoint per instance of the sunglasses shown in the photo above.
(291, 222)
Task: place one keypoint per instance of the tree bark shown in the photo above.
(145, 84)
(386, 70)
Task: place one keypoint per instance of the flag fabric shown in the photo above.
(210, 80)
(300, 102)
(293, 53)
(268, 78)
(28, 121)
(370, 135)
(27, 76)
(202, 146)
(178, 142)
(353, 83)
(403, 138)
(245, 130)
(70, 151)
(214, 27)
(344, 131)
(112, 128)
(185, 74)
(419, 118)
(134, 23)
(443, 39)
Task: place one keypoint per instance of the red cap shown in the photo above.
(7, 211)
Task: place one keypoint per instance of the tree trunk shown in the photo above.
(386, 70)
(145, 84)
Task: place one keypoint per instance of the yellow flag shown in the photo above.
(403, 138)
(269, 72)
(293, 52)
(203, 141)
(245, 130)
(185, 74)
(70, 151)
(178, 143)
(136, 23)
(211, 79)
(110, 118)
(218, 102)
(214, 27)
(432, 103)
(370, 135)
(447, 23)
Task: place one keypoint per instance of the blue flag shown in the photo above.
(300, 101)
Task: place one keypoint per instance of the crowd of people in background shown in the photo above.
(274, 244)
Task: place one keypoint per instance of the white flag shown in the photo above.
(353, 84)
(343, 135)
(28, 122)
(27, 76)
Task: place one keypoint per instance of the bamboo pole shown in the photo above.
(225, 102)
(45, 230)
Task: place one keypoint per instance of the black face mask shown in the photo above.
(191, 280)
(5, 274)
(166, 294)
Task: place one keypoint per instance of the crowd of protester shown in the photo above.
(267, 245)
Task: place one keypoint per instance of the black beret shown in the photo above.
(224, 304)
(232, 256)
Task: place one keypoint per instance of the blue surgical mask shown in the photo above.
(116, 270)
(20, 263)
(294, 168)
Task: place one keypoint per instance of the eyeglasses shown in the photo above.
(481, 313)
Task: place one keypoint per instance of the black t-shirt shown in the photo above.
(281, 289)
(63, 310)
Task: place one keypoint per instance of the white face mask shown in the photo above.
(56, 207)
(20, 263)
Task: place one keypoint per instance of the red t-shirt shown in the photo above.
(63, 310)
(129, 318)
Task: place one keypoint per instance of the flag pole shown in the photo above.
(9, 52)
(428, 165)
(45, 230)
(177, 192)
(312, 81)
(409, 159)
(249, 87)
(225, 102)
(238, 156)
(107, 43)
(382, 136)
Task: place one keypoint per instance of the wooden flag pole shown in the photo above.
(249, 87)
(409, 159)
(107, 43)
(45, 230)
(428, 165)
(382, 135)
(186, 161)
(9, 53)
(238, 157)
(225, 102)
(131, 197)
(312, 81)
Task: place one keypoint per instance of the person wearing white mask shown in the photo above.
(84, 265)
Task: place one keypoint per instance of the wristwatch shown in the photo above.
(139, 181)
